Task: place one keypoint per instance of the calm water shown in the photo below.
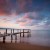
(39, 37)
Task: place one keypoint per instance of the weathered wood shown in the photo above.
(13, 30)
(4, 38)
(15, 37)
(11, 36)
(20, 32)
(23, 32)
(6, 31)
(29, 33)
(13, 33)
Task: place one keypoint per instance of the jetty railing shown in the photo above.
(28, 31)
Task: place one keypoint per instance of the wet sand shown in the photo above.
(21, 46)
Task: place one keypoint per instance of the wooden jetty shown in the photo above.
(28, 31)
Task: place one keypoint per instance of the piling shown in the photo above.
(4, 38)
(29, 33)
(6, 31)
(11, 36)
(20, 32)
(23, 32)
(13, 33)
(15, 37)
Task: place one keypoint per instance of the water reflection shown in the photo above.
(39, 37)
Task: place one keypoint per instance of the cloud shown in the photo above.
(25, 12)
(32, 19)
(23, 6)
(23, 21)
(27, 19)
(18, 5)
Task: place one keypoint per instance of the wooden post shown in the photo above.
(20, 32)
(6, 31)
(15, 38)
(23, 32)
(4, 38)
(11, 36)
(29, 33)
(13, 30)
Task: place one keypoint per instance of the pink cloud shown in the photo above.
(24, 20)
(31, 14)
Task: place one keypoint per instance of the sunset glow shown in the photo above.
(25, 13)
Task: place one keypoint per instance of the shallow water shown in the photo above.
(38, 37)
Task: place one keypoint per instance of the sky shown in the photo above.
(34, 14)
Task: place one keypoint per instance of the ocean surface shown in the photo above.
(38, 37)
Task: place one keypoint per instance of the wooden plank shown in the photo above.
(13, 33)
(8, 34)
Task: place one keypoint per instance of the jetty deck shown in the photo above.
(28, 31)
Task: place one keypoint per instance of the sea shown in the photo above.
(37, 37)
